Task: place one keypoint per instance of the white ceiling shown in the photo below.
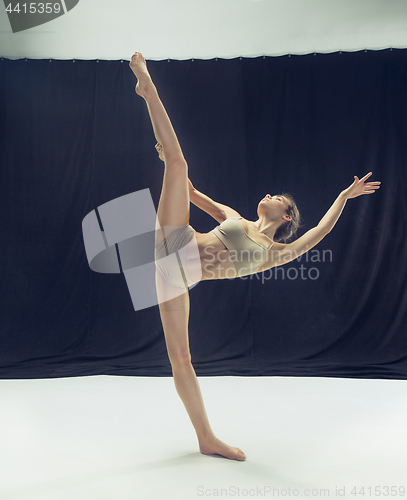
(184, 29)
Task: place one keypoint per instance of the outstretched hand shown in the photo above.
(360, 186)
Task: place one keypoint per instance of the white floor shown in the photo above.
(122, 438)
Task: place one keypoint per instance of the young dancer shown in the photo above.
(237, 247)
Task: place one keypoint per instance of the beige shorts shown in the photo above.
(170, 257)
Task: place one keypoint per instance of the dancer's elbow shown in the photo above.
(324, 229)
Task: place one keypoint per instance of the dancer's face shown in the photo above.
(274, 208)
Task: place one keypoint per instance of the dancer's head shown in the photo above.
(284, 209)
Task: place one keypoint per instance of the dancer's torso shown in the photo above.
(215, 259)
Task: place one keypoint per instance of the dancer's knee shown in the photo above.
(176, 162)
(180, 359)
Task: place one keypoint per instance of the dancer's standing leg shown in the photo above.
(173, 210)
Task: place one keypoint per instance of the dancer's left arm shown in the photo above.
(312, 237)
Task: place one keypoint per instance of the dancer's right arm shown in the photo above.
(216, 210)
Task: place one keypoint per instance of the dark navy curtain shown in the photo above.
(74, 135)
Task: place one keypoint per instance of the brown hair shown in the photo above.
(287, 230)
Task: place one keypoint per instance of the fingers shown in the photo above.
(371, 187)
(366, 176)
(159, 150)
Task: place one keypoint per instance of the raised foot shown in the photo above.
(217, 448)
(139, 67)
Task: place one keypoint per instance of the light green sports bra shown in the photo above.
(247, 255)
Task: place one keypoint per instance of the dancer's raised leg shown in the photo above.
(162, 126)
(173, 210)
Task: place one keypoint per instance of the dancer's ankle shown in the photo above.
(146, 91)
(206, 437)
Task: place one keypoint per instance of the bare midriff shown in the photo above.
(214, 258)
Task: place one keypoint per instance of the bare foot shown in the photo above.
(215, 446)
(139, 67)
